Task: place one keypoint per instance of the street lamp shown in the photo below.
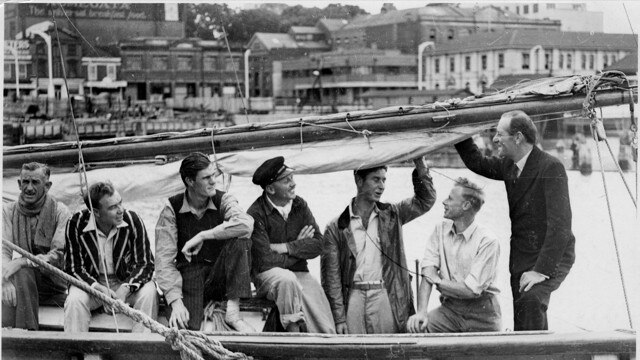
(40, 30)
(421, 48)
(246, 75)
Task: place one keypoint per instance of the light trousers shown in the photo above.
(79, 304)
(369, 312)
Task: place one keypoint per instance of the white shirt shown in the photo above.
(368, 255)
(283, 210)
(522, 162)
(105, 245)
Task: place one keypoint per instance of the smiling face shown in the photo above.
(204, 183)
(282, 191)
(506, 143)
(33, 185)
(110, 211)
(455, 205)
(372, 186)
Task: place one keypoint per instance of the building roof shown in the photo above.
(505, 81)
(628, 64)
(276, 40)
(305, 30)
(528, 38)
(441, 12)
(332, 24)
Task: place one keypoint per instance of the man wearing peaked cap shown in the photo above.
(284, 237)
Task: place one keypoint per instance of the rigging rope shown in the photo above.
(598, 133)
(235, 72)
(188, 342)
(81, 160)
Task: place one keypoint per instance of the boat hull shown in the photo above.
(19, 344)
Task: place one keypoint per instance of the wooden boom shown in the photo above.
(244, 137)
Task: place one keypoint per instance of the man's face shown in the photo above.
(505, 142)
(110, 211)
(454, 204)
(372, 187)
(204, 183)
(283, 190)
(33, 185)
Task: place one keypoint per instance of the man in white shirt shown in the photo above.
(460, 260)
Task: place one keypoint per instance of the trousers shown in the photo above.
(298, 296)
(466, 315)
(369, 312)
(33, 288)
(79, 304)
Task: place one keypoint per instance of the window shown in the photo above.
(437, 66)
(232, 64)
(501, 61)
(561, 61)
(592, 60)
(452, 64)
(535, 8)
(134, 62)
(92, 72)
(583, 61)
(518, 10)
(23, 70)
(605, 60)
(613, 59)
(210, 64)
(467, 63)
(551, 6)
(525, 9)
(432, 34)
(483, 59)
(547, 60)
(569, 61)
(184, 63)
(159, 63)
(337, 41)
(525, 60)
(111, 72)
(451, 34)
(8, 71)
(71, 50)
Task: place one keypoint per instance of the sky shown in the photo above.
(614, 16)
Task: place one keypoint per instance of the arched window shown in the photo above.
(450, 34)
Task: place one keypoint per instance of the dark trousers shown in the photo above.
(530, 308)
(32, 289)
(227, 278)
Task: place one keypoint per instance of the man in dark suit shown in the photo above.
(542, 244)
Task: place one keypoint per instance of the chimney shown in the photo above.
(386, 7)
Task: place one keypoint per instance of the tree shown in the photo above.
(248, 22)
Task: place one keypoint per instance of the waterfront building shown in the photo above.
(161, 68)
(89, 33)
(574, 16)
(491, 61)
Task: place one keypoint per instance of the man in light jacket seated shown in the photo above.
(460, 260)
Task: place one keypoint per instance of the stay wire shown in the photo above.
(235, 73)
(81, 164)
(78, 30)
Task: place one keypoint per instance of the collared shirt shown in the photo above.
(105, 244)
(283, 210)
(55, 255)
(368, 255)
(470, 257)
(236, 224)
(522, 162)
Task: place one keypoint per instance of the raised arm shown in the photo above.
(487, 166)
(424, 194)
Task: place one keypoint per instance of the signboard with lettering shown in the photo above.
(21, 47)
(110, 11)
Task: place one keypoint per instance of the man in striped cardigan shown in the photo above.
(108, 249)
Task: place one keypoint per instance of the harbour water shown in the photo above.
(590, 299)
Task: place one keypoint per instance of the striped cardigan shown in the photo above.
(132, 258)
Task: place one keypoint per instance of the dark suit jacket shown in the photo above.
(539, 208)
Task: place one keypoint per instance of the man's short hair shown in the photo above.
(521, 122)
(362, 173)
(33, 166)
(471, 193)
(96, 192)
(192, 164)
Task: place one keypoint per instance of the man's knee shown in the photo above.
(436, 321)
(76, 299)
(238, 245)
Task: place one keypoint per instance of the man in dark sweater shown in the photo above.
(202, 249)
(285, 235)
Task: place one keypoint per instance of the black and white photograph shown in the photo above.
(329, 179)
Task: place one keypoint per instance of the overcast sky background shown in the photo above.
(615, 19)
